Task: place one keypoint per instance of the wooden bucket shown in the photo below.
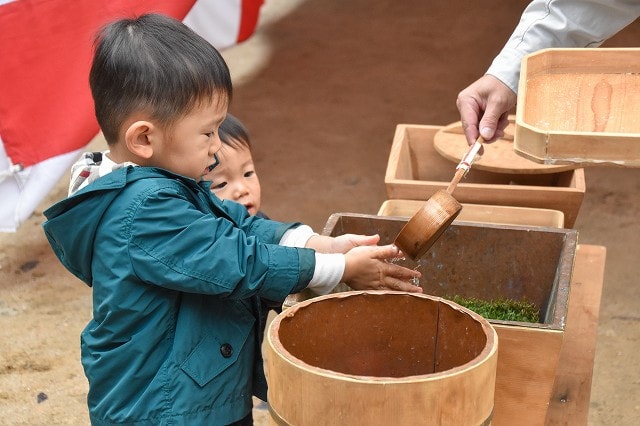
(380, 358)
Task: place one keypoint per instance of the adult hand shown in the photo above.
(484, 108)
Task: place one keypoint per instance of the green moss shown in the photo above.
(502, 309)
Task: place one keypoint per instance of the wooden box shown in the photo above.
(580, 106)
(491, 262)
(481, 213)
(415, 171)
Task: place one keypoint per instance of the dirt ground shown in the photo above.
(321, 87)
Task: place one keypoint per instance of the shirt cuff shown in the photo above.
(328, 272)
(297, 237)
(506, 68)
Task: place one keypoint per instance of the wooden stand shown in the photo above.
(572, 374)
(569, 403)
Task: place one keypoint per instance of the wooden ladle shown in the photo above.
(427, 224)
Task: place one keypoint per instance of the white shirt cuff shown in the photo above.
(328, 273)
(297, 237)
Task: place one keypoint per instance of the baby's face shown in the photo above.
(235, 178)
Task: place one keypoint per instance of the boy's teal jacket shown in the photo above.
(177, 276)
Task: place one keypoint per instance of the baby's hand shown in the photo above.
(344, 243)
(366, 269)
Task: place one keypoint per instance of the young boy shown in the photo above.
(177, 275)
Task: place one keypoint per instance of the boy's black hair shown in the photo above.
(233, 133)
(153, 64)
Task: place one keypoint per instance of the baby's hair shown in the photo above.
(153, 64)
(234, 133)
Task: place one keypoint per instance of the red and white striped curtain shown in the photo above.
(46, 111)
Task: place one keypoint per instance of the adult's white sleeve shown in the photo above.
(561, 23)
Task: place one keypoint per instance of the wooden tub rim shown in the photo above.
(486, 355)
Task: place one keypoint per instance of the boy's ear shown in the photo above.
(138, 137)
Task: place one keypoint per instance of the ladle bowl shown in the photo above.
(427, 224)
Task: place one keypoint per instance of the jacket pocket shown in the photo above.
(215, 354)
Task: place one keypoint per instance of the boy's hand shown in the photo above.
(340, 244)
(344, 243)
(366, 269)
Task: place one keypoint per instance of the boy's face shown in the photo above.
(235, 177)
(188, 148)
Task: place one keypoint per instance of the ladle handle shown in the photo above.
(465, 164)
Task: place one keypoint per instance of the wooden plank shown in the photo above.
(527, 364)
(569, 404)
(483, 213)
